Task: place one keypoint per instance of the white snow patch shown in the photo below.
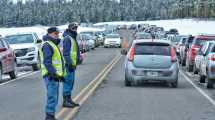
(185, 26)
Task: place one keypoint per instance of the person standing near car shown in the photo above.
(52, 69)
(71, 55)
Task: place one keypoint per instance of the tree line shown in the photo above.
(57, 12)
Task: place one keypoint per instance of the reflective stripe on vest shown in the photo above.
(57, 62)
(73, 51)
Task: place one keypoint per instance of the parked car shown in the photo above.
(176, 42)
(81, 43)
(197, 43)
(199, 57)
(25, 46)
(143, 35)
(95, 38)
(184, 48)
(207, 65)
(149, 60)
(7, 60)
(112, 40)
(89, 41)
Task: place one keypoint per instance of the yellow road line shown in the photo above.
(75, 110)
(63, 110)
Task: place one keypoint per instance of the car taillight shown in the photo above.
(131, 54)
(212, 58)
(194, 49)
(173, 55)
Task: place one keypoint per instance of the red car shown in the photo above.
(193, 49)
(7, 60)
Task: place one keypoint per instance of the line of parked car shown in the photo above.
(21, 49)
(197, 54)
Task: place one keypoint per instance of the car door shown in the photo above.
(199, 58)
(4, 59)
(10, 57)
(205, 57)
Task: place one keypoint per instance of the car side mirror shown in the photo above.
(39, 41)
(124, 52)
(3, 49)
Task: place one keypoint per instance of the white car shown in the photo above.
(26, 47)
(207, 64)
(112, 40)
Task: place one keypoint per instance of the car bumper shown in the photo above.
(28, 59)
(112, 45)
(162, 75)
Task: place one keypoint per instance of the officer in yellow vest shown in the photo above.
(52, 68)
(71, 55)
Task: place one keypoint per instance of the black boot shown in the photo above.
(68, 102)
(50, 117)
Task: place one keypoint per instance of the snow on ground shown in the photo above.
(40, 30)
(185, 26)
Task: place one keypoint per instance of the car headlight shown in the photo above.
(31, 49)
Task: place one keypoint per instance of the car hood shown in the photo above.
(22, 46)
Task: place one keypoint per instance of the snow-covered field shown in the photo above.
(40, 30)
(185, 26)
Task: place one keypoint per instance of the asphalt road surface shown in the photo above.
(114, 101)
(24, 98)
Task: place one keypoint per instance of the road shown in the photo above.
(114, 101)
(24, 98)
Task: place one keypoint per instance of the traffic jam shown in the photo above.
(125, 71)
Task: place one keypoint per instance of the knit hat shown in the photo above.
(53, 29)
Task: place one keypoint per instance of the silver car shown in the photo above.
(207, 65)
(151, 60)
(199, 57)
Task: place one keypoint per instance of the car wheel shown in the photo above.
(174, 84)
(13, 74)
(183, 62)
(189, 68)
(35, 67)
(210, 83)
(127, 81)
(195, 70)
(201, 79)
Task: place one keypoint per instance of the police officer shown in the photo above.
(52, 68)
(71, 55)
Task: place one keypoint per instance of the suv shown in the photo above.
(198, 41)
(184, 48)
(7, 60)
(26, 48)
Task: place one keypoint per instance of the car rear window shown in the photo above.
(152, 49)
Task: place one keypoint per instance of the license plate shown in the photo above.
(153, 74)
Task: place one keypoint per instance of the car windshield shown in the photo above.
(88, 36)
(143, 36)
(90, 33)
(19, 39)
(183, 40)
(156, 49)
(112, 36)
(176, 39)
